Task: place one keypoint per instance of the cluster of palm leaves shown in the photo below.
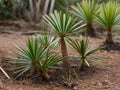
(34, 56)
(63, 24)
(106, 15)
(109, 18)
(81, 46)
(86, 11)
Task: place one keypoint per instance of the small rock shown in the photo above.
(106, 82)
(75, 88)
(107, 76)
(107, 87)
(96, 83)
(100, 84)
(111, 51)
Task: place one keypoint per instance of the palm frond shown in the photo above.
(33, 55)
(81, 46)
(48, 41)
(109, 15)
(52, 60)
(86, 10)
(62, 23)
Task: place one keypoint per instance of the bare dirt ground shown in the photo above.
(104, 75)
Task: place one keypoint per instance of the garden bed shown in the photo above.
(103, 74)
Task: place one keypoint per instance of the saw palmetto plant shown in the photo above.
(63, 24)
(33, 57)
(81, 46)
(86, 11)
(109, 18)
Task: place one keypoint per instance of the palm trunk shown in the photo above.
(109, 39)
(45, 75)
(90, 30)
(82, 64)
(66, 63)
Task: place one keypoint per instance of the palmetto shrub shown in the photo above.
(81, 46)
(109, 18)
(86, 11)
(33, 57)
(63, 24)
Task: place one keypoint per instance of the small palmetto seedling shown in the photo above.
(33, 57)
(81, 46)
(86, 11)
(109, 18)
(63, 24)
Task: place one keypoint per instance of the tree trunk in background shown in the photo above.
(90, 30)
(66, 63)
(52, 6)
(46, 6)
(109, 39)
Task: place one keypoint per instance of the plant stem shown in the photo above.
(90, 30)
(45, 75)
(66, 63)
(82, 64)
(109, 39)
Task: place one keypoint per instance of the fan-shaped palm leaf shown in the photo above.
(81, 46)
(109, 18)
(48, 41)
(86, 11)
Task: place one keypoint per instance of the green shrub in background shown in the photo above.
(11, 9)
(64, 4)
